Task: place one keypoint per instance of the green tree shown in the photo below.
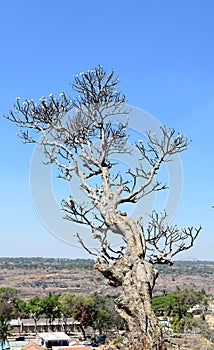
(5, 332)
(66, 302)
(51, 307)
(116, 321)
(34, 306)
(96, 311)
(6, 312)
(102, 321)
(176, 305)
(83, 310)
(19, 307)
(8, 293)
(105, 316)
(190, 297)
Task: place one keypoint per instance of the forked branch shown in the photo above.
(164, 241)
(158, 151)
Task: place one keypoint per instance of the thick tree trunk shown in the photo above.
(134, 302)
(134, 306)
(137, 278)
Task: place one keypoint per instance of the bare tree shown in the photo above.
(85, 144)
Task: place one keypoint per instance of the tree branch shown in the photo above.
(83, 144)
(160, 150)
(164, 241)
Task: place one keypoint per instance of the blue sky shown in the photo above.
(163, 52)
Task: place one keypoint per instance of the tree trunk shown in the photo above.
(134, 302)
(35, 321)
(137, 279)
(134, 306)
(83, 331)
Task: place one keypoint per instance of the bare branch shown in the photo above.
(80, 240)
(164, 241)
(159, 151)
(81, 214)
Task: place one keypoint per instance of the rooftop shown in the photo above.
(73, 347)
(53, 336)
(31, 346)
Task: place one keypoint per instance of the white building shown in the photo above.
(50, 339)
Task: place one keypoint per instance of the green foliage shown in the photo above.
(34, 307)
(6, 312)
(4, 332)
(164, 302)
(50, 306)
(8, 294)
(96, 311)
(10, 305)
(66, 302)
(189, 297)
(176, 305)
(185, 297)
(19, 307)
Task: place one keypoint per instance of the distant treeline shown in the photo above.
(188, 267)
(44, 263)
(179, 267)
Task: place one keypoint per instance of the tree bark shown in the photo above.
(134, 306)
(137, 279)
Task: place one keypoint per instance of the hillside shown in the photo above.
(38, 276)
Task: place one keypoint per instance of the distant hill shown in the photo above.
(189, 267)
(30, 263)
(183, 266)
(38, 276)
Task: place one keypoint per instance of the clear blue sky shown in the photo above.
(163, 52)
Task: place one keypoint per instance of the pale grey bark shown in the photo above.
(84, 144)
